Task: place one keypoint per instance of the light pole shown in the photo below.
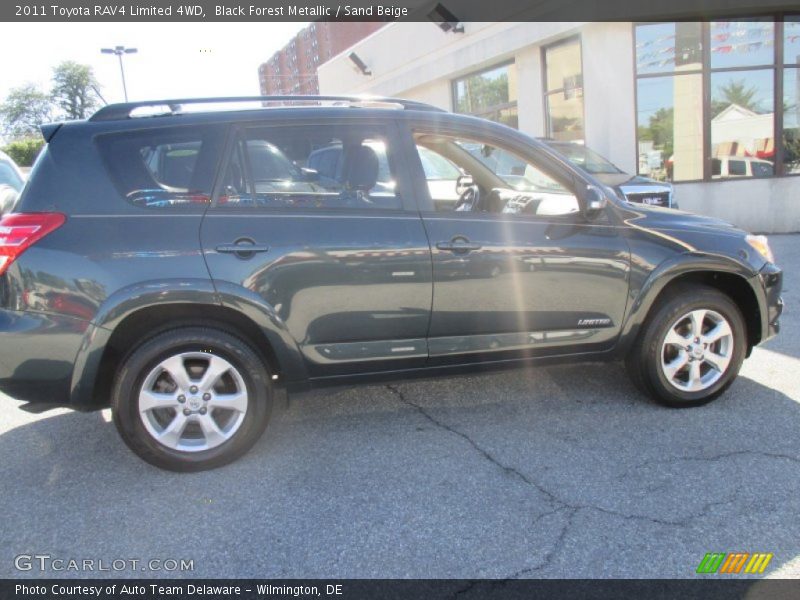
(119, 51)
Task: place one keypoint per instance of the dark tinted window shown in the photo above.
(320, 167)
(737, 167)
(162, 168)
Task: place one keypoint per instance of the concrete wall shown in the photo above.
(404, 56)
(757, 205)
(418, 61)
(608, 92)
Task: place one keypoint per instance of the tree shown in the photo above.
(25, 151)
(480, 93)
(659, 130)
(74, 89)
(24, 110)
(735, 92)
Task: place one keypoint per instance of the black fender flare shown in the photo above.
(129, 300)
(667, 272)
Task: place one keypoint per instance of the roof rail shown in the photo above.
(117, 112)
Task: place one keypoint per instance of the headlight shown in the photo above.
(761, 245)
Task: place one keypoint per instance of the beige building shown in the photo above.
(657, 98)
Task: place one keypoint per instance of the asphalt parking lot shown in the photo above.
(552, 472)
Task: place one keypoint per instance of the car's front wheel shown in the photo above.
(191, 399)
(691, 348)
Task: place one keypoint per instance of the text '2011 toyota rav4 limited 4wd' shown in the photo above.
(179, 265)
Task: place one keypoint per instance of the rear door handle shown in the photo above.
(244, 248)
(458, 245)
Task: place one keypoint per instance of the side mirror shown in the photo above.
(594, 201)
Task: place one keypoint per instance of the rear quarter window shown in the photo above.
(163, 168)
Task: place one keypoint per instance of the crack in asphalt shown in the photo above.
(554, 549)
(509, 470)
(716, 457)
(563, 505)
(713, 458)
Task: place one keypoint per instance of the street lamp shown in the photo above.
(119, 51)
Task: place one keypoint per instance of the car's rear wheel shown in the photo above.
(191, 399)
(690, 349)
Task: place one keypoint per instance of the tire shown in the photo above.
(681, 372)
(215, 377)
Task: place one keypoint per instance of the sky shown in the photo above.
(174, 60)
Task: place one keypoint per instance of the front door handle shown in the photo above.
(458, 245)
(243, 248)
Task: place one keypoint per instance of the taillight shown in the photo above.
(19, 231)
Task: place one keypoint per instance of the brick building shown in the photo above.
(293, 69)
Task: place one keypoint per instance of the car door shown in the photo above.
(340, 258)
(521, 272)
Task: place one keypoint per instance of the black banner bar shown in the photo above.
(404, 589)
(386, 10)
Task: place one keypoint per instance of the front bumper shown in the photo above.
(37, 355)
(771, 279)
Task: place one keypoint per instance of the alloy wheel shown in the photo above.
(697, 350)
(193, 401)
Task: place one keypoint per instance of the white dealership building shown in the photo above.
(712, 107)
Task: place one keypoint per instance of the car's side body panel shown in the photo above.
(351, 286)
(341, 296)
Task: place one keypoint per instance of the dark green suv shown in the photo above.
(177, 264)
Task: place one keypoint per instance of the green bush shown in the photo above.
(24, 151)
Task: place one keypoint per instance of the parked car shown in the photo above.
(634, 188)
(741, 166)
(11, 182)
(185, 310)
(10, 173)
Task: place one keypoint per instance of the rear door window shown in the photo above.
(323, 167)
(164, 168)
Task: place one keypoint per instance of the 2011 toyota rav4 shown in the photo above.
(179, 266)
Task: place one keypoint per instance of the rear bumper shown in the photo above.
(771, 279)
(37, 355)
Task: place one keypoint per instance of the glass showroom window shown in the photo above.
(564, 90)
(742, 109)
(491, 94)
(790, 136)
(669, 94)
(707, 103)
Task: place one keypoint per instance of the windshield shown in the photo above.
(586, 159)
(513, 170)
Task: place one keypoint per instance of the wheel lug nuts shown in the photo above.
(181, 398)
(206, 396)
(203, 410)
(193, 389)
(187, 412)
